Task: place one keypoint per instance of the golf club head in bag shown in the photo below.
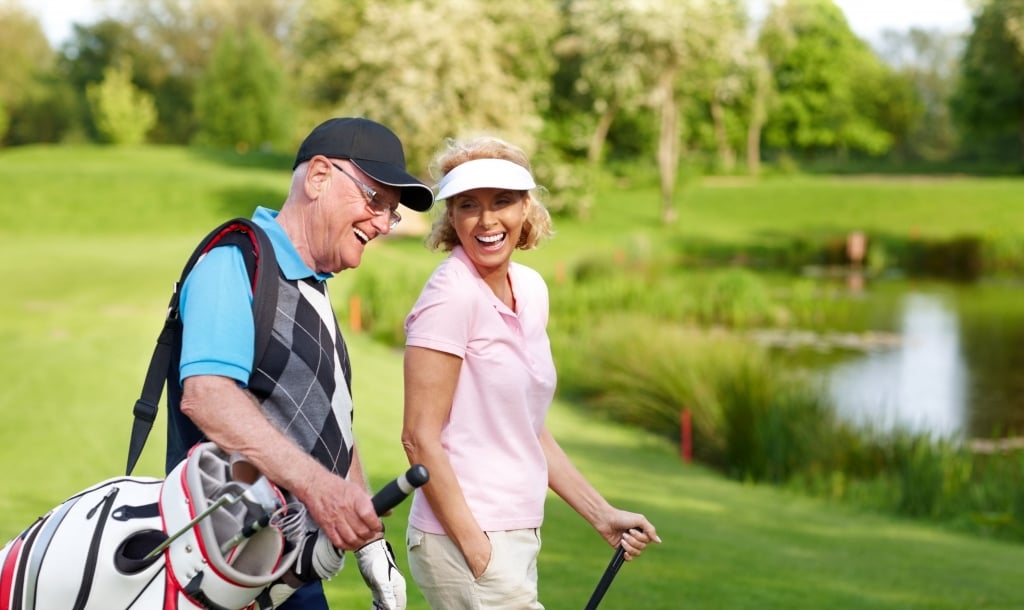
(196, 539)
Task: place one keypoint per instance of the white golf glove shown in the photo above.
(317, 560)
(380, 571)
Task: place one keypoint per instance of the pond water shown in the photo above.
(920, 384)
(954, 368)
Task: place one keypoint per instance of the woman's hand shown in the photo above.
(632, 531)
(478, 555)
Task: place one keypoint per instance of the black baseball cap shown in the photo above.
(373, 148)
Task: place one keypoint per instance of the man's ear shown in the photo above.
(318, 176)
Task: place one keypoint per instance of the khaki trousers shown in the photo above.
(508, 583)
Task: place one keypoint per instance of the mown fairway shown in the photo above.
(92, 240)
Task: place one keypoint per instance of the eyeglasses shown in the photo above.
(377, 207)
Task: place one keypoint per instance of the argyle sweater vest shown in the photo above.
(303, 380)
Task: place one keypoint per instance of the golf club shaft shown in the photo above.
(227, 499)
(390, 496)
(606, 578)
(248, 531)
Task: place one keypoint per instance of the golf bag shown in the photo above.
(197, 539)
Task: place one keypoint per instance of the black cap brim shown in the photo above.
(415, 195)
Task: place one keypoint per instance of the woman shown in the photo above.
(479, 379)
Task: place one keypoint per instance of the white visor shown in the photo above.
(485, 173)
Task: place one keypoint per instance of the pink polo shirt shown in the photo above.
(503, 394)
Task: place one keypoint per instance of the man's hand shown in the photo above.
(377, 565)
(342, 509)
(231, 417)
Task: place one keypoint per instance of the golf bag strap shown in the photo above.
(194, 591)
(261, 265)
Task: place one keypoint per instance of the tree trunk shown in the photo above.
(758, 111)
(595, 155)
(668, 146)
(1021, 133)
(754, 147)
(595, 151)
(726, 155)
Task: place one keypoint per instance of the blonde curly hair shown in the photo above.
(537, 225)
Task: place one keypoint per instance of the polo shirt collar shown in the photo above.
(288, 259)
(460, 254)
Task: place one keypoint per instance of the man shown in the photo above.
(290, 416)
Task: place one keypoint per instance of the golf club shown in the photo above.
(257, 494)
(606, 579)
(392, 494)
(248, 531)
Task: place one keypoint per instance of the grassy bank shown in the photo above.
(93, 239)
(74, 351)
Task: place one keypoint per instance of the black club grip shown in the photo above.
(392, 494)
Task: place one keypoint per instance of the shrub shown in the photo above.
(915, 475)
(1003, 254)
(774, 426)
(641, 372)
(752, 418)
(736, 298)
(749, 420)
(124, 114)
(385, 299)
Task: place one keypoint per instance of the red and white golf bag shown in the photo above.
(197, 539)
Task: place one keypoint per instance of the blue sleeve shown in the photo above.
(216, 313)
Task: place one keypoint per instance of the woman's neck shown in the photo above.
(500, 283)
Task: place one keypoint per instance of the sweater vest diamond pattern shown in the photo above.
(303, 381)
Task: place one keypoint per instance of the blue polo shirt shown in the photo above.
(216, 305)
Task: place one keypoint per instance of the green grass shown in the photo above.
(928, 206)
(92, 239)
(145, 191)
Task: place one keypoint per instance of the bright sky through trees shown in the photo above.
(867, 17)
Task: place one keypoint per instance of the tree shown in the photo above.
(240, 97)
(762, 99)
(123, 113)
(722, 74)
(181, 35)
(87, 55)
(988, 104)
(27, 60)
(825, 78)
(599, 38)
(598, 81)
(928, 60)
(893, 102)
(324, 31)
(432, 70)
(651, 54)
